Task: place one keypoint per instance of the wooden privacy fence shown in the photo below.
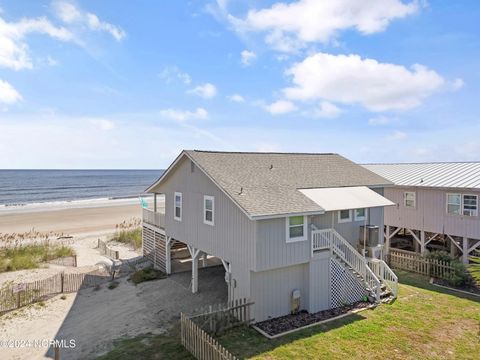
(410, 261)
(197, 329)
(105, 250)
(14, 296)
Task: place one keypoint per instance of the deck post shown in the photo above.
(194, 252)
(387, 240)
(465, 250)
(155, 202)
(168, 255)
(422, 242)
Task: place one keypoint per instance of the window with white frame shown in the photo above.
(470, 205)
(296, 228)
(409, 199)
(208, 210)
(360, 214)
(178, 206)
(454, 204)
(344, 216)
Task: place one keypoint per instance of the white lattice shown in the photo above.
(148, 236)
(345, 287)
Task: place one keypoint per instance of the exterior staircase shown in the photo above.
(375, 275)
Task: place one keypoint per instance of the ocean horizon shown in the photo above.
(22, 187)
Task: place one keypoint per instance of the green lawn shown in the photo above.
(424, 323)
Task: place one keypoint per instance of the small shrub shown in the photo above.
(460, 275)
(63, 297)
(146, 274)
(113, 285)
(474, 268)
(129, 237)
(440, 255)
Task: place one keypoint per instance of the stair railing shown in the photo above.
(384, 273)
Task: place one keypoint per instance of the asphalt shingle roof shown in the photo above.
(265, 184)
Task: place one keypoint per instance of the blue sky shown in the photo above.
(122, 84)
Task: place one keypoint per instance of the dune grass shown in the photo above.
(31, 256)
(129, 233)
(426, 322)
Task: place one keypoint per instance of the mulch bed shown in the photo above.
(303, 318)
(474, 289)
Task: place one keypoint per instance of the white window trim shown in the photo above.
(414, 199)
(287, 229)
(349, 219)
(360, 218)
(205, 221)
(175, 206)
(463, 205)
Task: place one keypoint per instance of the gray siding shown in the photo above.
(273, 251)
(319, 280)
(233, 236)
(272, 290)
(430, 213)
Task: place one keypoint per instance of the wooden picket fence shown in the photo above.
(105, 250)
(14, 296)
(410, 261)
(65, 261)
(197, 329)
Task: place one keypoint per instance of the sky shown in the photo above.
(129, 84)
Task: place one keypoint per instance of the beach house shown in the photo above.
(290, 230)
(436, 206)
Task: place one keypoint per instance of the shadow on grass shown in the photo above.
(420, 281)
(237, 339)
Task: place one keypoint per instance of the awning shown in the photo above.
(343, 198)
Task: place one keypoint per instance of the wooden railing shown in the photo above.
(410, 261)
(331, 239)
(384, 273)
(154, 218)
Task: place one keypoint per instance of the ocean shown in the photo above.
(21, 187)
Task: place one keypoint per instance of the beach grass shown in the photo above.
(129, 233)
(426, 322)
(31, 256)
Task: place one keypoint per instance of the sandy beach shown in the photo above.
(75, 220)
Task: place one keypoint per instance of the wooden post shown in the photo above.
(62, 278)
(422, 242)
(168, 255)
(56, 351)
(155, 202)
(18, 300)
(75, 260)
(195, 274)
(465, 250)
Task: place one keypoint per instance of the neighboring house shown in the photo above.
(434, 202)
(278, 223)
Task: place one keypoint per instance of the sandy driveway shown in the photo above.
(95, 318)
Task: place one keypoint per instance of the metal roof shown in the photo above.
(444, 174)
(266, 184)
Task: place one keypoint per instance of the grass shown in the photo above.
(424, 323)
(31, 256)
(132, 237)
(146, 274)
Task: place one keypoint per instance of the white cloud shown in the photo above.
(397, 135)
(184, 115)
(13, 48)
(236, 98)
(290, 26)
(349, 79)
(380, 120)
(172, 73)
(70, 14)
(206, 91)
(247, 57)
(103, 124)
(8, 94)
(326, 110)
(280, 107)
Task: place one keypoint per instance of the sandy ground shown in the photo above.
(70, 220)
(94, 319)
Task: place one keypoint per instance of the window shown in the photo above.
(409, 199)
(454, 204)
(344, 216)
(470, 205)
(296, 228)
(360, 214)
(208, 210)
(178, 207)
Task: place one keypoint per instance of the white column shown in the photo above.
(155, 202)
(422, 242)
(195, 254)
(465, 250)
(387, 240)
(204, 260)
(168, 255)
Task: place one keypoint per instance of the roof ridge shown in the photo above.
(423, 163)
(260, 152)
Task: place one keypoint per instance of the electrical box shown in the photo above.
(295, 301)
